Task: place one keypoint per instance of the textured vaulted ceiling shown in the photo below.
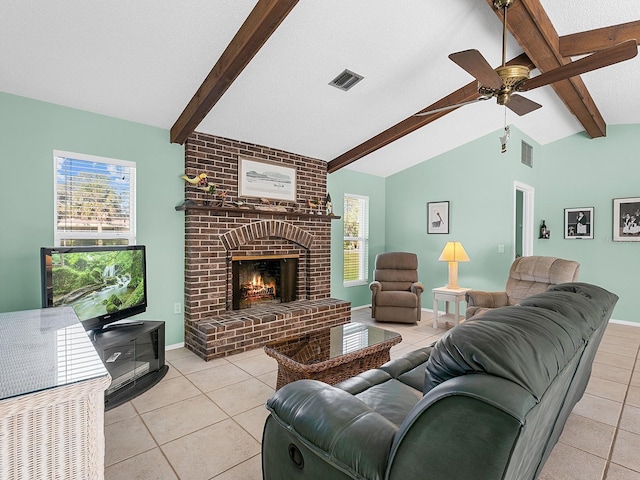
(144, 60)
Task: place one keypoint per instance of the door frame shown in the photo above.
(527, 217)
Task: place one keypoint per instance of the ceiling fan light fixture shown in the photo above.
(512, 74)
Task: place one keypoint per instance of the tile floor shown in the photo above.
(204, 419)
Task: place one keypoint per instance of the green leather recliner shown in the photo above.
(487, 401)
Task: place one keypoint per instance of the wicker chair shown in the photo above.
(527, 276)
(395, 291)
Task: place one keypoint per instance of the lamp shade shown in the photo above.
(453, 252)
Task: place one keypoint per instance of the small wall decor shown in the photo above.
(262, 179)
(438, 217)
(626, 219)
(545, 233)
(578, 223)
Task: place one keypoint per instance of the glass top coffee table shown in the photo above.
(333, 354)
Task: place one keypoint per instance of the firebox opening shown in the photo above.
(264, 279)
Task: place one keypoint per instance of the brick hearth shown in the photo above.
(242, 330)
(213, 236)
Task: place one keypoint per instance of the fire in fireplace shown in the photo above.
(264, 279)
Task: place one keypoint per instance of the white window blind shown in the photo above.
(94, 199)
(356, 239)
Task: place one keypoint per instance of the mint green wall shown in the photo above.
(581, 172)
(475, 178)
(29, 132)
(478, 182)
(347, 181)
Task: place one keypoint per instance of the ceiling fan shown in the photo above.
(504, 82)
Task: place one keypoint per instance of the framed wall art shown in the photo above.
(438, 217)
(626, 219)
(578, 223)
(261, 179)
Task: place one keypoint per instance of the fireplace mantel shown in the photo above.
(224, 210)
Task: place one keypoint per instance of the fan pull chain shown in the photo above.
(505, 138)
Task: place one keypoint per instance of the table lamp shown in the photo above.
(453, 253)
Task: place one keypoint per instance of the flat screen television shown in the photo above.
(102, 284)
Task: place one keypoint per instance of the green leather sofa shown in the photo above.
(487, 401)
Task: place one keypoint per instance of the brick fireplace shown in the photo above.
(218, 234)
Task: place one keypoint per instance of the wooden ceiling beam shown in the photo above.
(263, 20)
(529, 24)
(465, 94)
(598, 39)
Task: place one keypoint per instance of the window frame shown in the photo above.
(363, 264)
(98, 237)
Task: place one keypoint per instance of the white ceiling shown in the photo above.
(143, 60)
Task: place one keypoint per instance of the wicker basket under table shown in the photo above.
(307, 357)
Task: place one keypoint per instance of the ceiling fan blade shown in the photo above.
(521, 105)
(618, 53)
(474, 63)
(450, 107)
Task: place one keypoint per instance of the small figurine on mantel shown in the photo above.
(201, 183)
(224, 198)
(198, 180)
(329, 205)
(313, 204)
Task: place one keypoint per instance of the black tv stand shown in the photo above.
(133, 356)
(97, 331)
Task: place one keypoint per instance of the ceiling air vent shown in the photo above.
(527, 154)
(346, 80)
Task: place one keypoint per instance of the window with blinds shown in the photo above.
(94, 200)
(356, 239)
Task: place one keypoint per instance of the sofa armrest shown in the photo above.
(436, 424)
(375, 288)
(335, 425)
(478, 298)
(417, 288)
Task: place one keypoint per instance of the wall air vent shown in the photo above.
(527, 154)
(346, 80)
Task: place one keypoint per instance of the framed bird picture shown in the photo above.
(438, 217)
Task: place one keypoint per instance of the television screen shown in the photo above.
(102, 284)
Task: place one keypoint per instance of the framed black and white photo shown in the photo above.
(438, 217)
(626, 219)
(578, 223)
(262, 179)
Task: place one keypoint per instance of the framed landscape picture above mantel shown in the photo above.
(438, 217)
(578, 223)
(626, 219)
(262, 179)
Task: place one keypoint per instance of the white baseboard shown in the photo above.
(361, 307)
(174, 346)
(625, 322)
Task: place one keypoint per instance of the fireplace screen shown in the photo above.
(260, 280)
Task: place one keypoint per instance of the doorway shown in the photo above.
(523, 220)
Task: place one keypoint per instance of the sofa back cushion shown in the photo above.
(527, 344)
(532, 275)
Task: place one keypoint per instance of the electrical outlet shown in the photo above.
(177, 308)
(500, 248)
